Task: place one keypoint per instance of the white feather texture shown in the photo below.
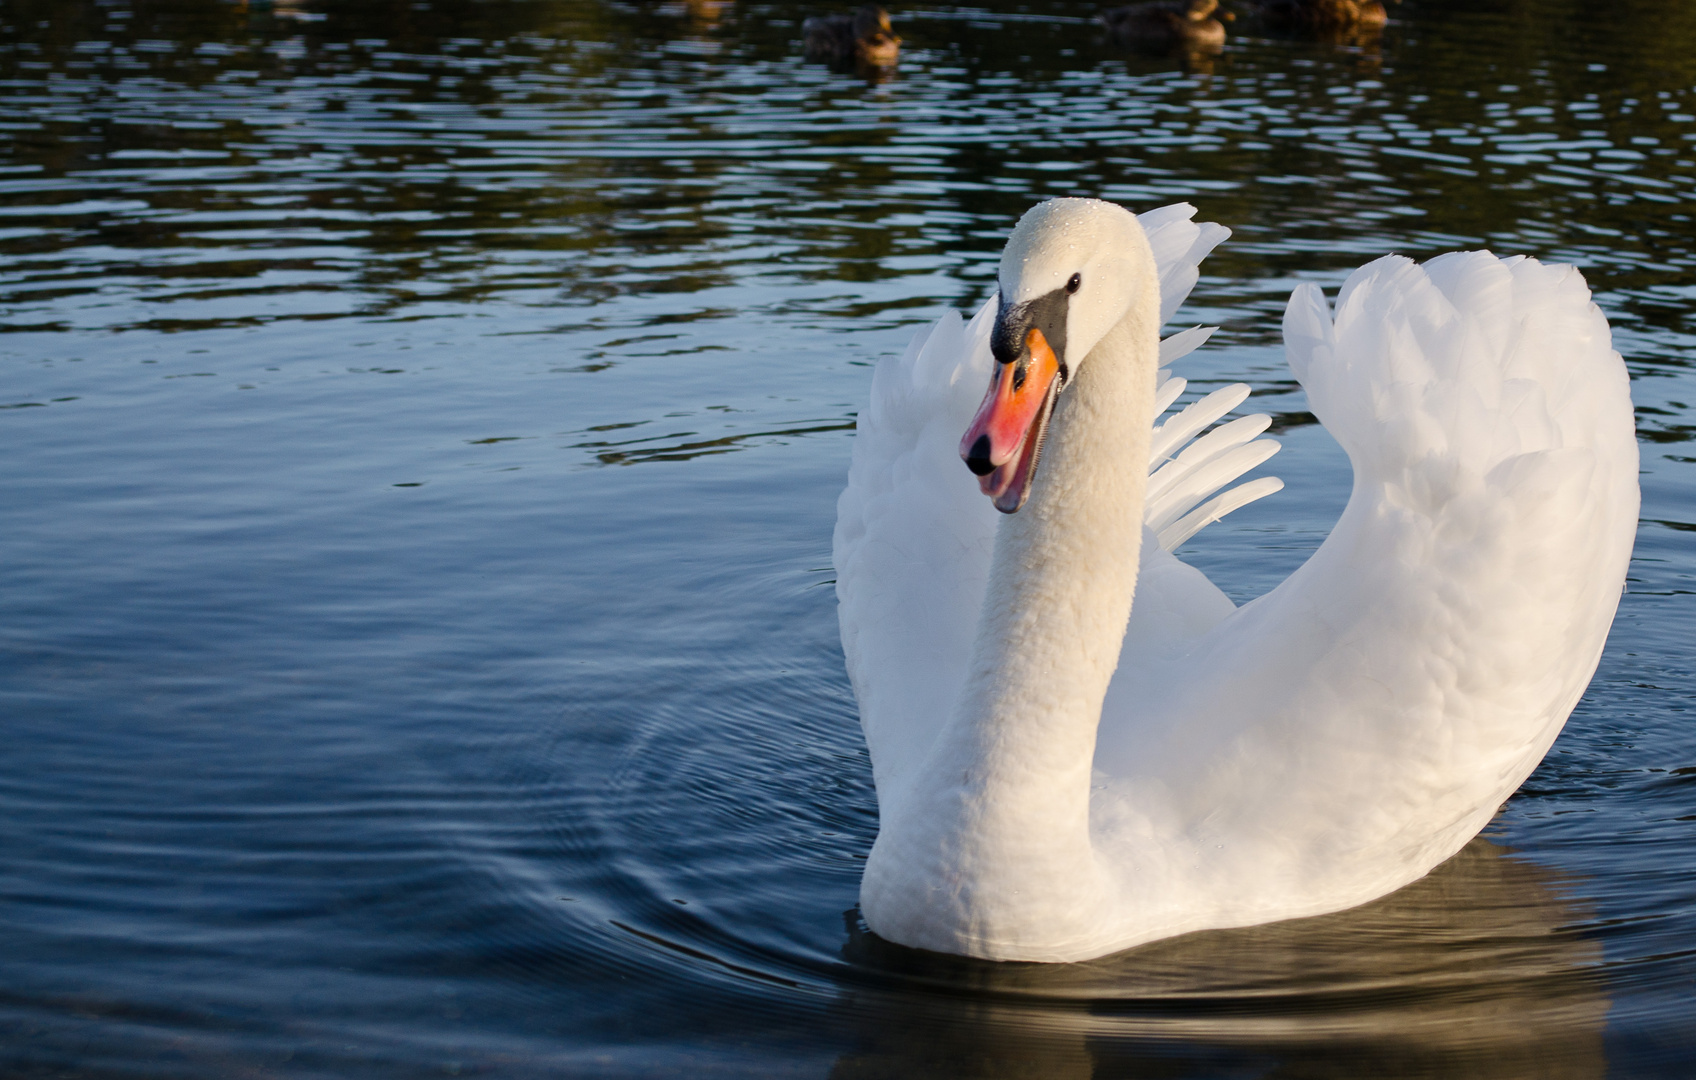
(1318, 747)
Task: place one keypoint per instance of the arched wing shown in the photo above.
(1346, 732)
(913, 541)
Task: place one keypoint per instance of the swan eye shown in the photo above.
(1072, 285)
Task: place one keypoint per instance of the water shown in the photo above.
(422, 429)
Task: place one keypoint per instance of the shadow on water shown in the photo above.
(1476, 970)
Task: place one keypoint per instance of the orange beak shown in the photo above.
(1005, 440)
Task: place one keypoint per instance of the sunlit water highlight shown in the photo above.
(422, 427)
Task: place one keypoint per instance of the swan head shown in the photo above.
(1069, 274)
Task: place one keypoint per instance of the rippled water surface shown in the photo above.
(420, 430)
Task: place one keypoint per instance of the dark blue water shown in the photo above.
(421, 430)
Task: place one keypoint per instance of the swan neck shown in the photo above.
(1063, 576)
(987, 851)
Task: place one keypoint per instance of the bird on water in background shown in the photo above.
(1163, 25)
(1322, 16)
(863, 37)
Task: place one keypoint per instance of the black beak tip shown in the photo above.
(978, 459)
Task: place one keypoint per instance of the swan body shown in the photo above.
(1079, 743)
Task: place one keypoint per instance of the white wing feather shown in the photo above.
(913, 540)
(1341, 735)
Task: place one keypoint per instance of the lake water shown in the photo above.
(421, 431)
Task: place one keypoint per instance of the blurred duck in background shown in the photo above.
(1323, 17)
(1166, 25)
(864, 38)
(705, 14)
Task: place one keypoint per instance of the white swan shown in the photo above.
(1061, 774)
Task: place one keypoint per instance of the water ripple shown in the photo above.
(359, 722)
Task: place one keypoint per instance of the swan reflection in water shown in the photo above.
(1479, 969)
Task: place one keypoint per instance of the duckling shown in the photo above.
(1324, 15)
(705, 14)
(1165, 24)
(864, 37)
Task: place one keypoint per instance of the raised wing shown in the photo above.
(913, 541)
(1349, 730)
